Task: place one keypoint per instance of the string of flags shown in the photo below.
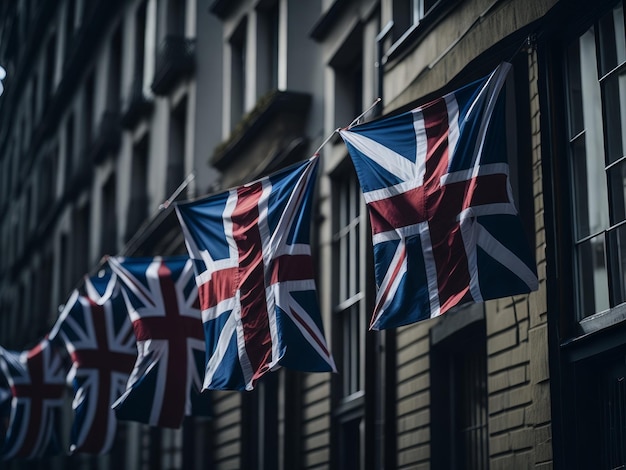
(146, 336)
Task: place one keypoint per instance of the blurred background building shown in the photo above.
(110, 105)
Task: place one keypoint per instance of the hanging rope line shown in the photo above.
(190, 177)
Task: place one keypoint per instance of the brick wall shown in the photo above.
(315, 421)
(226, 430)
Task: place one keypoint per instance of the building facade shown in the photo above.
(109, 106)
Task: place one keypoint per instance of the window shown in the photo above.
(45, 289)
(176, 18)
(25, 20)
(69, 149)
(267, 49)
(47, 183)
(261, 431)
(138, 205)
(171, 448)
(349, 304)
(237, 74)
(115, 72)
(22, 306)
(25, 143)
(140, 38)
(88, 111)
(109, 218)
(412, 20)
(459, 391)
(49, 73)
(27, 219)
(612, 398)
(347, 64)
(80, 245)
(70, 19)
(407, 14)
(65, 283)
(34, 97)
(350, 319)
(177, 148)
(596, 90)
(601, 412)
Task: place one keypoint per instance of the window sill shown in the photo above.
(597, 334)
(603, 320)
(350, 406)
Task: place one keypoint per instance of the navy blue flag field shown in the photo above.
(37, 382)
(97, 333)
(252, 257)
(436, 183)
(162, 301)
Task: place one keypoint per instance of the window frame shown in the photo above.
(583, 321)
(575, 346)
(268, 46)
(458, 332)
(417, 30)
(351, 406)
(349, 225)
(237, 52)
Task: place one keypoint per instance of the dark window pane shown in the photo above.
(613, 402)
(617, 183)
(352, 327)
(617, 248)
(592, 276)
(575, 100)
(350, 444)
(612, 47)
(589, 188)
(428, 4)
(614, 94)
(351, 318)
(471, 408)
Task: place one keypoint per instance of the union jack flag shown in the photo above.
(37, 382)
(436, 183)
(162, 301)
(252, 257)
(97, 333)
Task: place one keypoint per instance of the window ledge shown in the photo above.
(351, 405)
(276, 106)
(603, 319)
(598, 333)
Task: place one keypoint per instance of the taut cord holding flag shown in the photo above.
(190, 177)
(358, 118)
(354, 121)
(319, 149)
(168, 202)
